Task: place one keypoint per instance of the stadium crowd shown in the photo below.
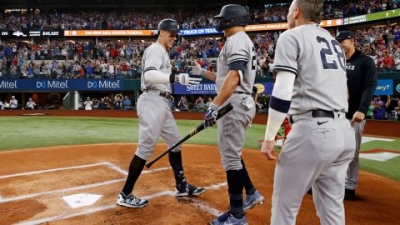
(189, 19)
(122, 59)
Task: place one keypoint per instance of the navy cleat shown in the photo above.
(229, 219)
(189, 190)
(131, 201)
(253, 200)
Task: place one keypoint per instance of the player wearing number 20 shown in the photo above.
(311, 87)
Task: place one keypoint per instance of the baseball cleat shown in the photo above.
(190, 190)
(229, 219)
(131, 201)
(253, 200)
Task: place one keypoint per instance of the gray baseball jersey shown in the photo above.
(317, 150)
(237, 47)
(156, 57)
(318, 61)
(154, 114)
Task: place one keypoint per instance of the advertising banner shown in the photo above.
(384, 87)
(372, 16)
(109, 33)
(61, 85)
(203, 31)
(396, 85)
(210, 89)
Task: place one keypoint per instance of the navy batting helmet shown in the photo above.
(169, 25)
(230, 16)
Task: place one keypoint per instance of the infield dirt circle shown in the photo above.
(34, 182)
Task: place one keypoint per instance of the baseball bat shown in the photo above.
(221, 112)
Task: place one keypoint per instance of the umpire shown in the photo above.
(361, 83)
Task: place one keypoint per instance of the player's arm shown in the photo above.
(153, 74)
(368, 85)
(229, 85)
(279, 103)
(151, 71)
(197, 70)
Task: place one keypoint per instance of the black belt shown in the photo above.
(242, 92)
(162, 93)
(322, 113)
(319, 114)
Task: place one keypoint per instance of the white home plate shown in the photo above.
(380, 156)
(79, 200)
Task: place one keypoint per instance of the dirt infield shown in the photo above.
(33, 182)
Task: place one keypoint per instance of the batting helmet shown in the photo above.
(230, 16)
(169, 25)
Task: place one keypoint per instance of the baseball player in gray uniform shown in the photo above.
(155, 116)
(311, 87)
(234, 81)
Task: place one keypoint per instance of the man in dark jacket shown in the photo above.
(361, 83)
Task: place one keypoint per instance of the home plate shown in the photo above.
(366, 139)
(381, 156)
(80, 200)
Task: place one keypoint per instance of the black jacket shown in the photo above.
(361, 81)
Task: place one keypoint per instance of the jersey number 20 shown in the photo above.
(327, 51)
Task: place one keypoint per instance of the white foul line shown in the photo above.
(197, 203)
(78, 187)
(52, 170)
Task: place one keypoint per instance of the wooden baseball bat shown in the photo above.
(221, 112)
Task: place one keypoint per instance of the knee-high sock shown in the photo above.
(175, 160)
(248, 185)
(135, 168)
(235, 189)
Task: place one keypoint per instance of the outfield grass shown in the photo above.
(31, 132)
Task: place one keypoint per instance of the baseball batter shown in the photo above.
(234, 81)
(155, 116)
(310, 86)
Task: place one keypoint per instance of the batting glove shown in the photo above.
(186, 79)
(210, 116)
(197, 70)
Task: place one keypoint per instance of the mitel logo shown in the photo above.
(92, 84)
(8, 84)
(109, 84)
(55, 84)
(105, 84)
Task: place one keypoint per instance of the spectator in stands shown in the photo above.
(88, 104)
(6, 105)
(1, 105)
(182, 104)
(127, 104)
(30, 104)
(102, 104)
(380, 111)
(117, 102)
(200, 106)
(13, 103)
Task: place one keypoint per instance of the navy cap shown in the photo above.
(345, 34)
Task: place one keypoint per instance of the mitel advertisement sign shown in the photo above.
(61, 85)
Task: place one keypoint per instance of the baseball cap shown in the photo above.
(345, 34)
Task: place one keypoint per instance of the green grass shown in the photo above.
(31, 132)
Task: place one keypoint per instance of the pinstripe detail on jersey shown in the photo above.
(286, 68)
